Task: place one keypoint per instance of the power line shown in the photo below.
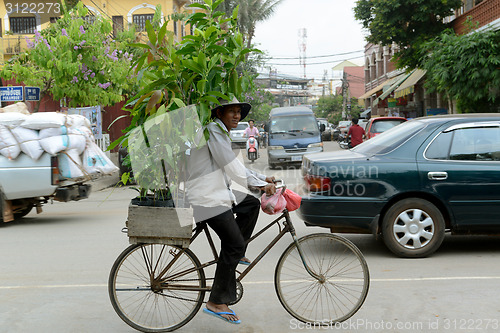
(312, 63)
(321, 56)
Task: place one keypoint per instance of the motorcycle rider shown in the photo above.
(252, 131)
(356, 132)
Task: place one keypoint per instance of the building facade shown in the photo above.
(391, 91)
(17, 24)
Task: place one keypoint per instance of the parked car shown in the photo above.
(363, 123)
(344, 126)
(411, 183)
(237, 135)
(378, 125)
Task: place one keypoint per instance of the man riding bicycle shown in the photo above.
(211, 169)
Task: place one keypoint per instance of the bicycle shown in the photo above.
(320, 278)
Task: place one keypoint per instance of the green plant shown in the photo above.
(75, 61)
(198, 71)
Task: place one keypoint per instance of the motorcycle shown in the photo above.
(344, 141)
(252, 148)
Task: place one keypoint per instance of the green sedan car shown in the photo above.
(411, 184)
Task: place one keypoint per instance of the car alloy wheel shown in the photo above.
(413, 228)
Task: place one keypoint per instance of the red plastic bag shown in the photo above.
(273, 204)
(293, 200)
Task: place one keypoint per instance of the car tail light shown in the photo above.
(54, 166)
(317, 183)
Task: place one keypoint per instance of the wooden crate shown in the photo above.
(160, 225)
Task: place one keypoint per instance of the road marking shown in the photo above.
(443, 278)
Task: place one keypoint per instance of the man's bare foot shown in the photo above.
(222, 308)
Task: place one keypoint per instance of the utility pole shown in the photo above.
(302, 48)
(345, 86)
(325, 77)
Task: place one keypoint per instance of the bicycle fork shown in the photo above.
(320, 278)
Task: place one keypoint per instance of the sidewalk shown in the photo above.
(107, 181)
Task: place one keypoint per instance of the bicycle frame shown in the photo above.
(202, 227)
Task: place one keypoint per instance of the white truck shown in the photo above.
(46, 156)
(26, 183)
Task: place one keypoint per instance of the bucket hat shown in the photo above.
(245, 107)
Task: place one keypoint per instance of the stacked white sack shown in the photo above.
(70, 164)
(42, 120)
(57, 139)
(9, 147)
(28, 141)
(8, 144)
(19, 107)
(70, 136)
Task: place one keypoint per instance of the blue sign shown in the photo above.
(11, 94)
(32, 93)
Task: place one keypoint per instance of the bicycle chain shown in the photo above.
(182, 298)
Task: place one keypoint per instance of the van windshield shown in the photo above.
(294, 124)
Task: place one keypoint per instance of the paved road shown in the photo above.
(54, 269)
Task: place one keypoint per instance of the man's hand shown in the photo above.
(270, 189)
(271, 179)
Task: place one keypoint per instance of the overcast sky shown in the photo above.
(331, 29)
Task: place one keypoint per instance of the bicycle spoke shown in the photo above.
(143, 299)
(342, 285)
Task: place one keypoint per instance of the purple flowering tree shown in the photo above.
(76, 62)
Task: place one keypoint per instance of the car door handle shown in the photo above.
(437, 175)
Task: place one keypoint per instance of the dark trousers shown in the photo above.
(233, 233)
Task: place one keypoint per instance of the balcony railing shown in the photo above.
(14, 44)
(484, 12)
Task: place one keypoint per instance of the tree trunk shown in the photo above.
(251, 32)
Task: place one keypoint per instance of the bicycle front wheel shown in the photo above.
(149, 302)
(341, 289)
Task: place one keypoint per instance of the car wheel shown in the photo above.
(413, 228)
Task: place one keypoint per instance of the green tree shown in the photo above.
(331, 107)
(328, 106)
(76, 61)
(261, 102)
(407, 23)
(466, 69)
(199, 70)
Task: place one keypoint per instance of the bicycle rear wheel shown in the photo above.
(344, 279)
(150, 303)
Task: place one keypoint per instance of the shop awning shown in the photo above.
(365, 113)
(374, 90)
(408, 86)
(396, 82)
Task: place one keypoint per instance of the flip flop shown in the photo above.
(243, 262)
(219, 315)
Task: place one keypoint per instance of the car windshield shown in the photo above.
(383, 125)
(390, 139)
(241, 127)
(290, 124)
(344, 123)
